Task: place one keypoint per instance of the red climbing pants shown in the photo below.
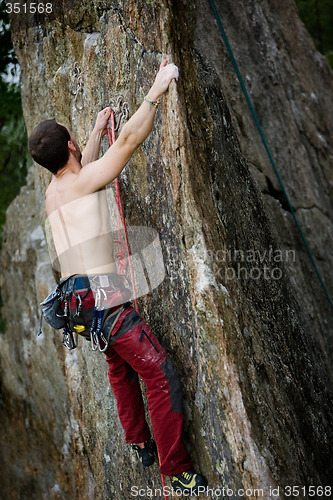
(133, 350)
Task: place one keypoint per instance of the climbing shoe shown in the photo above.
(188, 482)
(146, 454)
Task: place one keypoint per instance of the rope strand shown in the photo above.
(120, 212)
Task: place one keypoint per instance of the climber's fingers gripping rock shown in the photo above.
(102, 121)
(166, 73)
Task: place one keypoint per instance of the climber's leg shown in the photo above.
(125, 385)
(142, 350)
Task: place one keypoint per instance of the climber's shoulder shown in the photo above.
(97, 174)
(61, 191)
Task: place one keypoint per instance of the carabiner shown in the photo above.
(105, 343)
(68, 340)
(78, 308)
(94, 341)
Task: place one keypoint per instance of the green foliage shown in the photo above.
(13, 138)
(13, 147)
(317, 16)
(7, 54)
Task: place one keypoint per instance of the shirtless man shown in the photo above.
(81, 231)
(76, 208)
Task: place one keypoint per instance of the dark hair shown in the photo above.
(48, 145)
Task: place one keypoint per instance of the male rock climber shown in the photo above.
(75, 205)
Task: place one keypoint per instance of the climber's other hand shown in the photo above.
(101, 125)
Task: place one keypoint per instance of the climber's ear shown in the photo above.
(71, 146)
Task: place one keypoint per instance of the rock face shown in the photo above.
(240, 310)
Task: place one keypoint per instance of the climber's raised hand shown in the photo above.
(166, 73)
(91, 150)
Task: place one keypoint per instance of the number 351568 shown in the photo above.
(28, 8)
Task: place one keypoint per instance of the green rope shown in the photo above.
(254, 115)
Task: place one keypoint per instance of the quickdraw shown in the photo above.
(96, 332)
(68, 339)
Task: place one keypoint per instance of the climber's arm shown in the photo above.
(99, 173)
(91, 151)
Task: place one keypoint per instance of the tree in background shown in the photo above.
(317, 15)
(13, 137)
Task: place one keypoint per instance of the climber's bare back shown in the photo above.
(80, 228)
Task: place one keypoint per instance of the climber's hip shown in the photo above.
(93, 305)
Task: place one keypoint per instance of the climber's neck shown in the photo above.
(73, 165)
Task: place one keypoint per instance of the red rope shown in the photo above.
(121, 253)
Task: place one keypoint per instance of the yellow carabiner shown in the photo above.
(79, 328)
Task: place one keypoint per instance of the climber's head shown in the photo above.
(50, 145)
